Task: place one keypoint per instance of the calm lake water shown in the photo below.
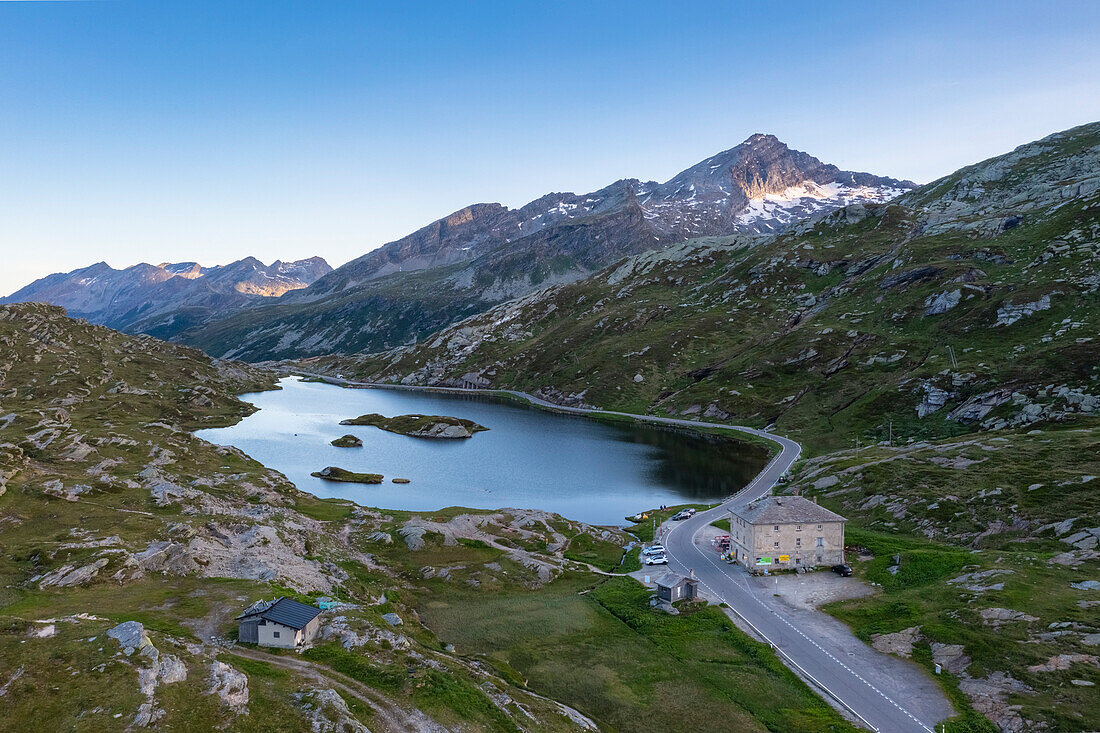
(580, 468)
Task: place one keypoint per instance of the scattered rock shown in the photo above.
(979, 582)
(1062, 662)
(951, 657)
(935, 305)
(328, 713)
(67, 576)
(934, 399)
(899, 642)
(1001, 616)
(229, 685)
(1008, 313)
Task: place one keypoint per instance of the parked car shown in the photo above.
(685, 514)
(655, 560)
(842, 569)
(654, 550)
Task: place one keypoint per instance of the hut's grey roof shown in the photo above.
(784, 510)
(669, 579)
(285, 611)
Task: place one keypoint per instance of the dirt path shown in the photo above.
(390, 717)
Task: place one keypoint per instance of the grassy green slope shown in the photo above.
(112, 511)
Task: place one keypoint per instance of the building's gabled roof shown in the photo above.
(285, 611)
(669, 579)
(784, 510)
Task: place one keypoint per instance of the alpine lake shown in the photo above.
(583, 468)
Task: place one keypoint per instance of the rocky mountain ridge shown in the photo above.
(487, 253)
(162, 299)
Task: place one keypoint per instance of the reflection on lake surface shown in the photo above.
(580, 468)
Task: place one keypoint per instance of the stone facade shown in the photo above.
(783, 533)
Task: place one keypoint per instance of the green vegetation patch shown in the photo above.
(334, 473)
(420, 426)
(599, 646)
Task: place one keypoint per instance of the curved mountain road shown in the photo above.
(883, 692)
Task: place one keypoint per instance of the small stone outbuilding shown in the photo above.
(282, 622)
(672, 587)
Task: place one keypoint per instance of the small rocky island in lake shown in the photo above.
(400, 480)
(420, 426)
(332, 473)
(347, 441)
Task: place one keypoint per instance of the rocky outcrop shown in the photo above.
(899, 643)
(1009, 313)
(162, 668)
(229, 685)
(327, 712)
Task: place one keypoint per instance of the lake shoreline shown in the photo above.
(600, 470)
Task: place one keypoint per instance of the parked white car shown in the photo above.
(655, 560)
(654, 550)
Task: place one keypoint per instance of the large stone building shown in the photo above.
(785, 532)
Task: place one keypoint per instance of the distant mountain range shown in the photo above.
(164, 299)
(462, 264)
(487, 253)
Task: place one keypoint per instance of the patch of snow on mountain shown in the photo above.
(807, 198)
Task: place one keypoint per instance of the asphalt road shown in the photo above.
(885, 693)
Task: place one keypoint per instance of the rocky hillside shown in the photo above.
(128, 546)
(986, 549)
(487, 253)
(164, 299)
(938, 356)
(969, 303)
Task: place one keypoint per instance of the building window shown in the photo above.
(776, 528)
(798, 542)
(798, 527)
(276, 634)
(820, 541)
(777, 544)
(819, 528)
(798, 561)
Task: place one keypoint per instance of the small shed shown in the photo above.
(672, 587)
(282, 622)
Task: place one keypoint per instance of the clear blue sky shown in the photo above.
(209, 130)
